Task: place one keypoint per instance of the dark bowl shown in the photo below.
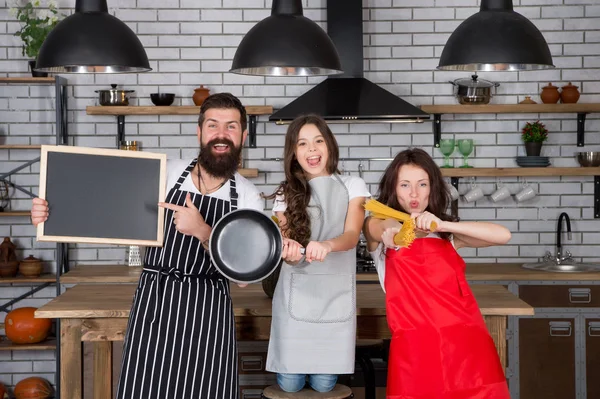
(162, 98)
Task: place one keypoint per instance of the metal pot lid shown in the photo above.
(474, 81)
(114, 90)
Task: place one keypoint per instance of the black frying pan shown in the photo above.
(246, 246)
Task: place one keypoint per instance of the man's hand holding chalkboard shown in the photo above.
(39, 211)
(188, 220)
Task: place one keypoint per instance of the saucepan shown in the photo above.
(246, 246)
(114, 96)
(474, 90)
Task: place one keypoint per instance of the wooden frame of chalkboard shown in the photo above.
(102, 196)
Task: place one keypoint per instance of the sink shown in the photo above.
(564, 267)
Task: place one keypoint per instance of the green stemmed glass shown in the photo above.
(465, 147)
(447, 148)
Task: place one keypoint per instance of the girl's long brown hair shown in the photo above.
(295, 188)
(439, 197)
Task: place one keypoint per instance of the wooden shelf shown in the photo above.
(25, 79)
(511, 108)
(580, 109)
(168, 110)
(248, 173)
(548, 171)
(120, 112)
(43, 278)
(456, 173)
(15, 213)
(20, 147)
(6, 345)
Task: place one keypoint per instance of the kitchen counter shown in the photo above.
(99, 312)
(475, 272)
(114, 300)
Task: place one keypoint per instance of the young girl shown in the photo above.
(313, 328)
(440, 345)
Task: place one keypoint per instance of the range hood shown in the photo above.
(349, 97)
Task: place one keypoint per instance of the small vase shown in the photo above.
(550, 94)
(569, 94)
(34, 73)
(200, 95)
(533, 149)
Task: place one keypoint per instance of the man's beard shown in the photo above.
(219, 165)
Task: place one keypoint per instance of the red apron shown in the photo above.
(440, 347)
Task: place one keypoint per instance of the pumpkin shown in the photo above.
(3, 393)
(22, 328)
(33, 388)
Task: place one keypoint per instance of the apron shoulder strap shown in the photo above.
(233, 194)
(185, 173)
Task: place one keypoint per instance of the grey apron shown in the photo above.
(313, 330)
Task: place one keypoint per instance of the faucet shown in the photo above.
(559, 257)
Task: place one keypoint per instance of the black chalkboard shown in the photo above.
(102, 196)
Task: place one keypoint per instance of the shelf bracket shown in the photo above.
(596, 197)
(61, 110)
(5, 307)
(252, 131)
(580, 129)
(16, 186)
(120, 129)
(15, 170)
(437, 130)
(454, 204)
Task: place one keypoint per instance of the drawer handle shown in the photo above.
(252, 363)
(560, 328)
(246, 395)
(580, 295)
(594, 329)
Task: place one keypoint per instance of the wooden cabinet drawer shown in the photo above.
(547, 358)
(561, 296)
(251, 363)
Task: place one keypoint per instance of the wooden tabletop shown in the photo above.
(114, 300)
(475, 272)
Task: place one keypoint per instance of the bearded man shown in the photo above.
(180, 340)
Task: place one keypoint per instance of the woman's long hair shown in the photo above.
(295, 188)
(439, 197)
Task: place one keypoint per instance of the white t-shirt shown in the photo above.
(355, 185)
(248, 194)
(379, 259)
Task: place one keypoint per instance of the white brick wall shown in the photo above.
(192, 42)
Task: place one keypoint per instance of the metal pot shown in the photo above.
(113, 96)
(474, 90)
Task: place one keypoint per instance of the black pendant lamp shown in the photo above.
(286, 44)
(92, 41)
(496, 39)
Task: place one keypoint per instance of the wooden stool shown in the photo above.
(338, 392)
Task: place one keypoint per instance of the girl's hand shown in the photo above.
(423, 221)
(317, 250)
(39, 211)
(387, 237)
(291, 251)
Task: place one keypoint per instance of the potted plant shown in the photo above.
(36, 22)
(533, 135)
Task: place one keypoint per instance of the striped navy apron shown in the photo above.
(180, 340)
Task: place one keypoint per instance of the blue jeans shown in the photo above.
(295, 382)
